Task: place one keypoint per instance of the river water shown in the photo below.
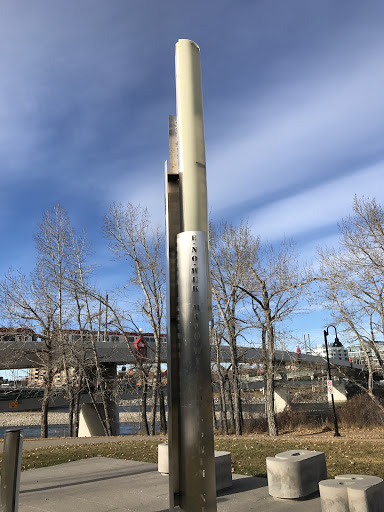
(133, 428)
(126, 429)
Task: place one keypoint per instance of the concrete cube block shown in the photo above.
(352, 493)
(223, 469)
(295, 473)
(162, 459)
(333, 496)
(223, 466)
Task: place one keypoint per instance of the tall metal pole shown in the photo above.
(337, 434)
(191, 454)
(10, 475)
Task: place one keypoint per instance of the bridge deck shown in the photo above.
(17, 355)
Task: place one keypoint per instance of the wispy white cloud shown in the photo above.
(311, 127)
(140, 186)
(320, 206)
(63, 68)
(292, 95)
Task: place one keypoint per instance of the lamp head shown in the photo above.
(337, 342)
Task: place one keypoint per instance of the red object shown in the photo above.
(141, 347)
(298, 351)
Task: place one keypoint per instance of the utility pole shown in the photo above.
(99, 321)
(106, 317)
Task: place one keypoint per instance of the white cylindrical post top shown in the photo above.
(190, 133)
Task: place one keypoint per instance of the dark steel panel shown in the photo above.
(10, 478)
(172, 229)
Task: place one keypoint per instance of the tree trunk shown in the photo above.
(236, 390)
(144, 422)
(230, 403)
(106, 400)
(76, 411)
(157, 393)
(270, 371)
(163, 420)
(71, 408)
(370, 378)
(223, 405)
(215, 422)
(152, 430)
(270, 401)
(47, 391)
(44, 411)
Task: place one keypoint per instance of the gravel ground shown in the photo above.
(21, 419)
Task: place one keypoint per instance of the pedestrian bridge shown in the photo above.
(32, 354)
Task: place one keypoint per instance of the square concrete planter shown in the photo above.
(352, 493)
(223, 466)
(295, 473)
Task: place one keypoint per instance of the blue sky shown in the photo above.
(293, 104)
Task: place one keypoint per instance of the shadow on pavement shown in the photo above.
(88, 480)
(243, 485)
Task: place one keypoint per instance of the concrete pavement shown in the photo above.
(103, 484)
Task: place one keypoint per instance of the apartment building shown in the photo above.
(340, 353)
(17, 334)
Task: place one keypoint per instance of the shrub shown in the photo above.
(360, 411)
(255, 425)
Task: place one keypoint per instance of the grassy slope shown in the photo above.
(344, 455)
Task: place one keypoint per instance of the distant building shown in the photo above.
(357, 354)
(339, 353)
(36, 377)
(17, 334)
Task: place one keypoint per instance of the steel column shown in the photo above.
(10, 474)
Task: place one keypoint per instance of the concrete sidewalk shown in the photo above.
(112, 485)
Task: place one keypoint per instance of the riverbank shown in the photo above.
(24, 419)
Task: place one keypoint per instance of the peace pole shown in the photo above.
(192, 482)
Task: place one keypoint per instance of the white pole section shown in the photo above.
(190, 133)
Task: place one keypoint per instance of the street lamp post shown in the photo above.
(335, 344)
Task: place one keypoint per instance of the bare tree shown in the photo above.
(28, 301)
(278, 281)
(85, 297)
(353, 280)
(232, 250)
(46, 301)
(131, 236)
(219, 370)
(142, 363)
(56, 260)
